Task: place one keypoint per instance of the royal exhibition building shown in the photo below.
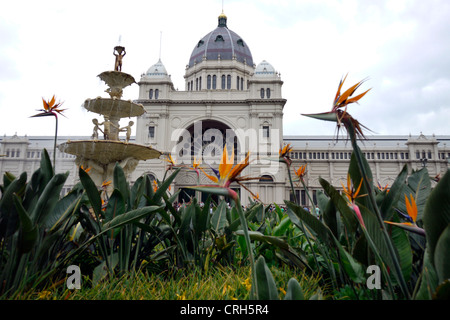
(231, 100)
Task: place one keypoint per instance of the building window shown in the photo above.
(196, 84)
(200, 83)
(228, 81)
(214, 82)
(268, 93)
(150, 94)
(208, 82)
(156, 94)
(262, 93)
(151, 132)
(242, 83)
(266, 131)
(223, 82)
(219, 38)
(237, 82)
(429, 154)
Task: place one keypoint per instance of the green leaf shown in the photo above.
(28, 230)
(115, 206)
(419, 186)
(281, 228)
(400, 239)
(348, 217)
(219, 217)
(294, 291)
(329, 212)
(267, 289)
(442, 255)
(394, 195)
(91, 192)
(437, 213)
(298, 214)
(165, 185)
(352, 267)
(49, 197)
(46, 168)
(64, 207)
(129, 217)
(120, 182)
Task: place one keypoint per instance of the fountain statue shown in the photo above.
(101, 155)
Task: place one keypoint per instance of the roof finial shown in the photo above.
(222, 20)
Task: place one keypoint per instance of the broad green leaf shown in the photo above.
(329, 213)
(341, 205)
(92, 192)
(219, 217)
(394, 195)
(428, 281)
(294, 291)
(442, 255)
(298, 214)
(400, 239)
(266, 287)
(46, 168)
(419, 186)
(49, 197)
(129, 217)
(281, 228)
(352, 267)
(120, 182)
(28, 230)
(64, 207)
(437, 213)
(115, 206)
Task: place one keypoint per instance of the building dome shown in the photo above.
(264, 69)
(157, 70)
(221, 43)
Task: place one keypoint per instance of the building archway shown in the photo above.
(204, 140)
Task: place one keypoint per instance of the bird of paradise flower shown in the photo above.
(352, 194)
(411, 217)
(51, 108)
(339, 112)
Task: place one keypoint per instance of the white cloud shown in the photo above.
(59, 47)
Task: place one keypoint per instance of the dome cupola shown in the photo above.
(221, 44)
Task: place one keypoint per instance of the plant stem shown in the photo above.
(54, 145)
(351, 131)
(254, 292)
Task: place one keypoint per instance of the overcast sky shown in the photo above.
(401, 46)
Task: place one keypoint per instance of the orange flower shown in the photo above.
(352, 194)
(227, 173)
(300, 173)
(284, 154)
(411, 216)
(339, 112)
(50, 108)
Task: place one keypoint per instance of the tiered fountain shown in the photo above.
(101, 155)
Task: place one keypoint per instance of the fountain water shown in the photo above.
(102, 155)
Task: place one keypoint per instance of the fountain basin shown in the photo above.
(117, 79)
(115, 108)
(108, 151)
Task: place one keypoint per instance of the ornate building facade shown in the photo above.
(229, 100)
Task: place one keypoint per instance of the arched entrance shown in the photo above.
(203, 140)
